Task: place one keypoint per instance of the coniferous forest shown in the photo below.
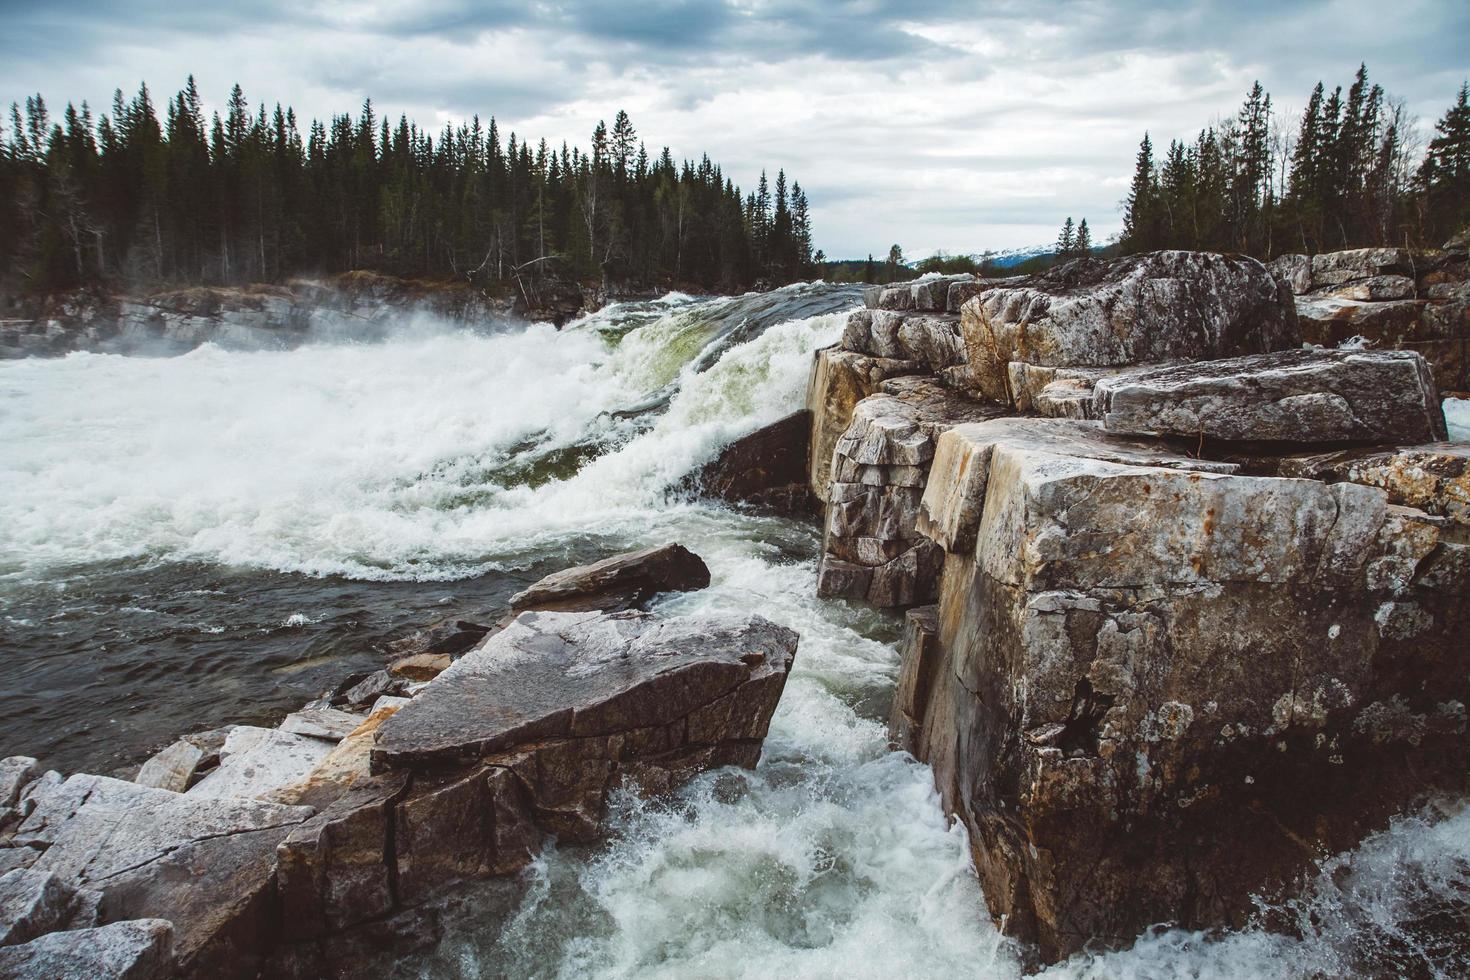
(1348, 173)
(254, 196)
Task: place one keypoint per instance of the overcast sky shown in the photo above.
(938, 125)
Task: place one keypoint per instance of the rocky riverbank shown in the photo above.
(1200, 591)
(313, 848)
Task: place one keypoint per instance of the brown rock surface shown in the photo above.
(1154, 691)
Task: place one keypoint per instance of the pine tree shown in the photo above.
(1445, 174)
(1141, 218)
(1067, 240)
(1083, 246)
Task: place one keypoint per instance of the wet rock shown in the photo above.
(556, 675)
(1162, 306)
(767, 468)
(204, 864)
(879, 469)
(839, 380)
(421, 666)
(619, 582)
(140, 949)
(256, 761)
(451, 637)
(364, 690)
(33, 903)
(1304, 396)
(1161, 690)
(325, 723)
(916, 676)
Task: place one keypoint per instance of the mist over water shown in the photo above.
(216, 537)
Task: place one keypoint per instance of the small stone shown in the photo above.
(326, 723)
(172, 768)
(420, 666)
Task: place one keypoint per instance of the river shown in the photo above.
(219, 536)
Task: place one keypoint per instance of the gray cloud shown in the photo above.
(939, 123)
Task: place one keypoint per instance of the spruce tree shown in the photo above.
(1067, 240)
(1140, 217)
(1083, 246)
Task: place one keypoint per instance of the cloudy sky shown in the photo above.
(938, 125)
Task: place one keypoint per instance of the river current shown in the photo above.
(219, 536)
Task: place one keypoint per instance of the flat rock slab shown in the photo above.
(1303, 396)
(1158, 307)
(619, 582)
(257, 761)
(328, 724)
(950, 510)
(139, 949)
(577, 675)
(1434, 478)
(204, 864)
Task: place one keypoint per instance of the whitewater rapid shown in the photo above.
(444, 467)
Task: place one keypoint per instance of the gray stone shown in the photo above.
(1157, 691)
(1158, 307)
(839, 380)
(1433, 478)
(172, 768)
(1305, 396)
(325, 723)
(619, 582)
(949, 512)
(15, 772)
(139, 949)
(205, 864)
(257, 761)
(1377, 288)
(33, 903)
(563, 675)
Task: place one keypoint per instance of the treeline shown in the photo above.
(1348, 173)
(248, 196)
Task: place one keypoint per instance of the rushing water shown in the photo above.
(218, 536)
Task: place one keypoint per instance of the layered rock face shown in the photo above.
(1200, 607)
(1410, 299)
(1152, 691)
(318, 848)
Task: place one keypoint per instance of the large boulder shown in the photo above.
(1142, 309)
(1304, 396)
(33, 903)
(767, 468)
(930, 339)
(1155, 692)
(521, 738)
(620, 582)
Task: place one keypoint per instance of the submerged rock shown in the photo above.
(620, 582)
(1305, 396)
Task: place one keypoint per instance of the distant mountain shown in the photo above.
(1006, 258)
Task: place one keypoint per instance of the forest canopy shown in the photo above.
(252, 196)
(1347, 173)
